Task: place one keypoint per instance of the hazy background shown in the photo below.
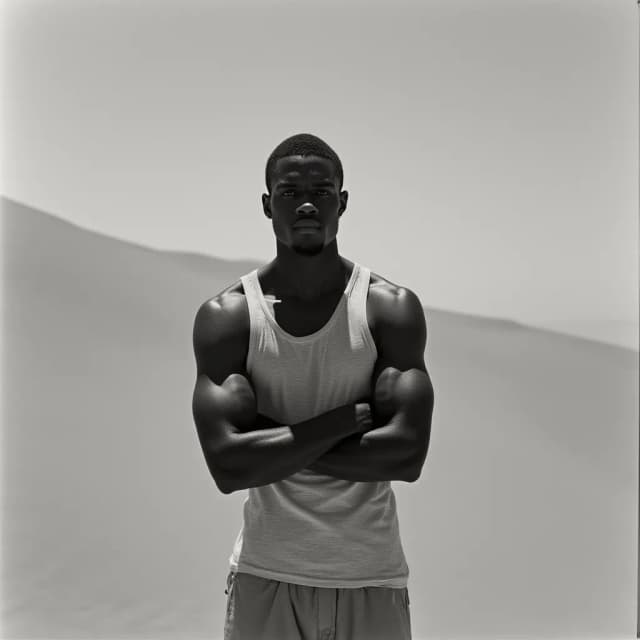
(490, 151)
(489, 146)
(523, 523)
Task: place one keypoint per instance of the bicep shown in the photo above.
(400, 381)
(223, 398)
(407, 396)
(221, 410)
(413, 394)
(401, 335)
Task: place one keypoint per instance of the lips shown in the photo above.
(306, 225)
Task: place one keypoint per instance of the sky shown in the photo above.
(489, 147)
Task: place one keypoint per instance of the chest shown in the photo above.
(302, 319)
(296, 381)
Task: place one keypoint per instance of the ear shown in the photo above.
(265, 205)
(344, 196)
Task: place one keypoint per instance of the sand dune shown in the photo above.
(523, 524)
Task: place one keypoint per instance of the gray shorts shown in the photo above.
(262, 609)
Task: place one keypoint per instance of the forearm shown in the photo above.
(267, 454)
(397, 447)
(383, 453)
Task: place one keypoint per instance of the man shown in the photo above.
(312, 393)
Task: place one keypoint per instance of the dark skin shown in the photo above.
(309, 276)
(305, 190)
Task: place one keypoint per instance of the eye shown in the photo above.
(322, 192)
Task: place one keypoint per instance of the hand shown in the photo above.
(363, 417)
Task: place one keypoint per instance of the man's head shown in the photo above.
(304, 181)
(303, 144)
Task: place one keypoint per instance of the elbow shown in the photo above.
(226, 481)
(221, 480)
(411, 473)
(413, 469)
(225, 489)
(232, 483)
(223, 485)
(226, 484)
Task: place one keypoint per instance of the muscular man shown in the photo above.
(312, 393)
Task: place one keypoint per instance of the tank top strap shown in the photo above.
(250, 284)
(257, 319)
(359, 287)
(357, 300)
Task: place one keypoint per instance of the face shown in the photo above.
(304, 192)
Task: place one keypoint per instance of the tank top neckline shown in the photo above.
(322, 330)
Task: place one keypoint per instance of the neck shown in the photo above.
(308, 277)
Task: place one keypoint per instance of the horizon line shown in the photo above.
(197, 254)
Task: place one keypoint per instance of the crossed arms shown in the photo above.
(393, 447)
(402, 402)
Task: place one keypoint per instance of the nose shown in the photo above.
(306, 208)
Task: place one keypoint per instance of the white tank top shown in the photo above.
(309, 528)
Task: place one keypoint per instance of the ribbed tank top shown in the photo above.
(309, 528)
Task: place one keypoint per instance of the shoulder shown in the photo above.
(221, 324)
(400, 329)
(394, 305)
(230, 305)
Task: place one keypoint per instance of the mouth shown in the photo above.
(306, 226)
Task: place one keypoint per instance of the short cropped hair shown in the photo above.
(303, 144)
